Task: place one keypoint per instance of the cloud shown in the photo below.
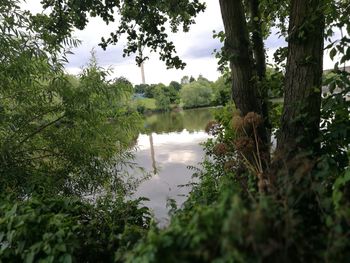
(275, 41)
(202, 49)
(105, 58)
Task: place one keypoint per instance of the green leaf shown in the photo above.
(67, 258)
(332, 53)
(29, 257)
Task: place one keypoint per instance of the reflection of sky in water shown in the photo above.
(178, 138)
(173, 152)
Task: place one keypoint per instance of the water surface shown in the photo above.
(169, 146)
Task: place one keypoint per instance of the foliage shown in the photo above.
(162, 102)
(273, 83)
(335, 113)
(143, 22)
(141, 88)
(304, 219)
(222, 90)
(176, 85)
(69, 230)
(62, 136)
(122, 81)
(275, 113)
(196, 94)
(167, 91)
(55, 136)
(145, 104)
(58, 134)
(164, 97)
(149, 90)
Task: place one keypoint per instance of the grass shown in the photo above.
(148, 103)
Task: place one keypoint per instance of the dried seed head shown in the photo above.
(253, 118)
(212, 128)
(245, 144)
(220, 149)
(237, 123)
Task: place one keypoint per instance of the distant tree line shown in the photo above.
(190, 93)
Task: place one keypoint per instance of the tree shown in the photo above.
(172, 93)
(149, 90)
(176, 85)
(141, 88)
(123, 81)
(165, 96)
(144, 23)
(58, 134)
(162, 102)
(196, 94)
(237, 48)
(200, 77)
(300, 122)
(246, 25)
(162, 97)
(222, 91)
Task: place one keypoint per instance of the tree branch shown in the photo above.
(41, 129)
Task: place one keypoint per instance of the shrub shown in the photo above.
(69, 230)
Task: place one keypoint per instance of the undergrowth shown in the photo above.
(226, 219)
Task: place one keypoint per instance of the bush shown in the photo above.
(69, 230)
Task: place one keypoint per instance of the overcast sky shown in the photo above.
(195, 48)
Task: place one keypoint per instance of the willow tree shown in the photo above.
(58, 134)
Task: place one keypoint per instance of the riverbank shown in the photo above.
(148, 106)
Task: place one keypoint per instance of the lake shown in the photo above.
(170, 145)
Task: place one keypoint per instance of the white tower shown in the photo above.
(143, 74)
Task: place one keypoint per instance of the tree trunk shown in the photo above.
(257, 39)
(244, 87)
(302, 92)
(238, 48)
(260, 62)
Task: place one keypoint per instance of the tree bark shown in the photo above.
(302, 91)
(257, 39)
(238, 48)
(260, 62)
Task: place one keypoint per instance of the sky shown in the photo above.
(195, 48)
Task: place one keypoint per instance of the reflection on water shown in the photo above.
(191, 120)
(170, 144)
